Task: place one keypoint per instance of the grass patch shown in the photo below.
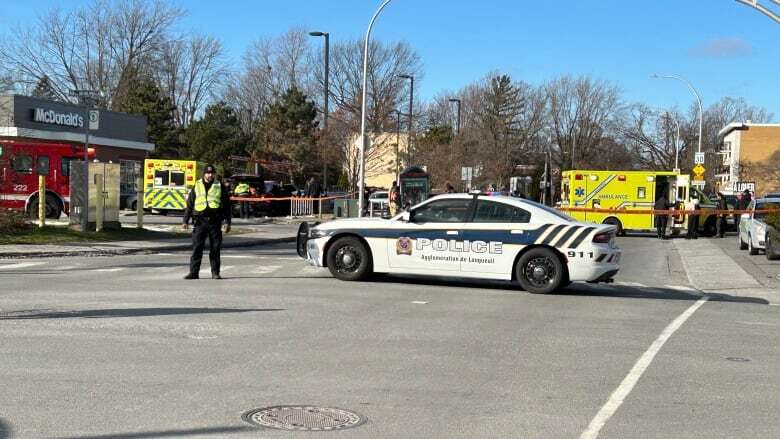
(61, 235)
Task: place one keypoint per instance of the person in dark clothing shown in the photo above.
(693, 219)
(661, 219)
(313, 188)
(208, 204)
(742, 204)
(721, 225)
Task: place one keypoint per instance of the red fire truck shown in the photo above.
(21, 162)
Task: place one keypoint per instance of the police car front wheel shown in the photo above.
(539, 271)
(349, 259)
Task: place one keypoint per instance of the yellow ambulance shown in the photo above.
(631, 190)
(168, 182)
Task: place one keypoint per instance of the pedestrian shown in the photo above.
(242, 190)
(394, 199)
(208, 204)
(693, 219)
(661, 219)
(721, 225)
(313, 188)
(450, 189)
(743, 203)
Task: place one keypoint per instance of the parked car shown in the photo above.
(272, 207)
(753, 226)
(378, 202)
(773, 236)
(254, 181)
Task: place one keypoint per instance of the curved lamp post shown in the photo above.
(754, 4)
(698, 100)
(363, 138)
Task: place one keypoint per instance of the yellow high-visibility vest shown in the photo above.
(212, 199)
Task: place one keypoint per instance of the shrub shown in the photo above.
(12, 221)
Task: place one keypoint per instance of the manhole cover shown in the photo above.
(738, 359)
(303, 417)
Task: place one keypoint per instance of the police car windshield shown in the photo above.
(549, 210)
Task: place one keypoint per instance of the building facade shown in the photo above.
(41, 124)
(386, 157)
(750, 158)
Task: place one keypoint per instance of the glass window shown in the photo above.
(549, 210)
(65, 166)
(492, 212)
(640, 192)
(761, 206)
(443, 211)
(160, 178)
(22, 163)
(177, 178)
(43, 165)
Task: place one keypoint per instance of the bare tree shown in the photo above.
(652, 136)
(582, 110)
(94, 47)
(190, 69)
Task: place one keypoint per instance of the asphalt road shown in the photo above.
(122, 347)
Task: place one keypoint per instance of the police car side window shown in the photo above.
(442, 211)
(492, 212)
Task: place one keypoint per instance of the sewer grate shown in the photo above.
(303, 418)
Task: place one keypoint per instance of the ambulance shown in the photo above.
(631, 190)
(168, 182)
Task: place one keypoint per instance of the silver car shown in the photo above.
(752, 226)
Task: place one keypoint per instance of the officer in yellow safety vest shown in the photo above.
(242, 190)
(208, 204)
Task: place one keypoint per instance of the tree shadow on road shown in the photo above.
(167, 433)
(122, 312)
(6, 432)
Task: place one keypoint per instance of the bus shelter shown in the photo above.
(415, 185)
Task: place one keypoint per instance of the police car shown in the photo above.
(469, 236)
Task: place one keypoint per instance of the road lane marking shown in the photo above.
(621, 393)
(109, 269)
(19, 265)
(265, 269)
(419, 302)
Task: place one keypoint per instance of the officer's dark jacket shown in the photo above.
(223, 213)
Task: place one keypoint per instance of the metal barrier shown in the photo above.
(301, 207)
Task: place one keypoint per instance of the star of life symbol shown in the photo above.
(403, 246)
(580, 192)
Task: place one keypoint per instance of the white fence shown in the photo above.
(302, 206)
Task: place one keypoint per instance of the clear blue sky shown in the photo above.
(724, 48)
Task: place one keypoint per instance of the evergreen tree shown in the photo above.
(217, 136)
(144, 97)
(44, 90)
(288, 131)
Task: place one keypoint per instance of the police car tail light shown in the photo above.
(603, 238)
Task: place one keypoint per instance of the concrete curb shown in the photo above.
(135, 250)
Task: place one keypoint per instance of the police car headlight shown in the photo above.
(319, 233)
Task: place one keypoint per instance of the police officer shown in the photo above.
(242, 190)
(661, 220)
(208, 204)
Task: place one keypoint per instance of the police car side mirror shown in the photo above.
(406, 216)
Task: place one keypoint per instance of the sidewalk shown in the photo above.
(259, 235)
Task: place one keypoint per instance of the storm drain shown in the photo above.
(303, 417)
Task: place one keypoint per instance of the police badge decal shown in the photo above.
(403, 246)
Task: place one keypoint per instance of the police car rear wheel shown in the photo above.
(348, 259)
(539, 271)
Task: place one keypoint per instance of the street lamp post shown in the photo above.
(762, 9)
(325, 114)
(457, 126)
(411, 110)
(363, 138)
(698, 100)
(397, 140)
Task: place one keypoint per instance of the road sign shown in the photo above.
(94, 120)
(466, 173)
(698, 170)
(698, 184)
(698, 178)
(698, 159)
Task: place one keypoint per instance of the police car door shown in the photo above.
(426, 243)
(494, 236)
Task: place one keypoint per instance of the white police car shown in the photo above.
(471, 236)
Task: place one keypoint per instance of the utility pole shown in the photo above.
(325, 114)
(410, 150)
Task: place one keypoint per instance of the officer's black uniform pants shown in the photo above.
(212, 230)
(721, 225)
(693, 227)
